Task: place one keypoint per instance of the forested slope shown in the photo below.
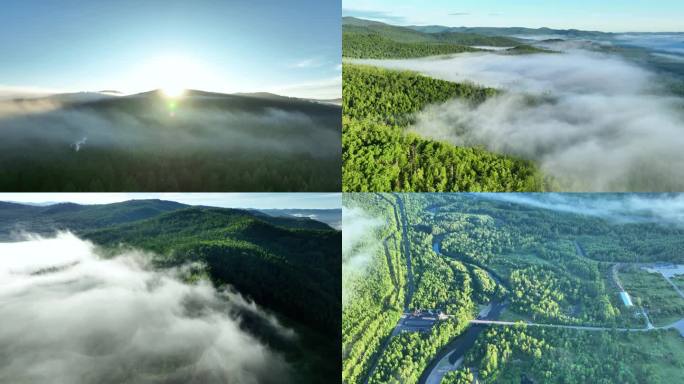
(289, 266)
(374, 40)
(378, 155)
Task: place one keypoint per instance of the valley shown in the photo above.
(507, 290)
(426, 109)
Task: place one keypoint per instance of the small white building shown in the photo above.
(626, 300)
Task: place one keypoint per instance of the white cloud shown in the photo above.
(598, 123)
(330, 88)
(69, 316)
(358, 246)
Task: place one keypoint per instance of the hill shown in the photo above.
(274, 260)
(75, 217)
(332, 217)
(520, 32)
(379, 155)
(375, 40)
(202, 141)
(288, 265)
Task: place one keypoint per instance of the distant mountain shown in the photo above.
(510, 31)
(46, 219)
(352, 25)
(332, 217)
(507, 35)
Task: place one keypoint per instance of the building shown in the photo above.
(626, 300)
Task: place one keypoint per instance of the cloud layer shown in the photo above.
(71, 317)
(593, 121)
(163, 126)
(359, 244)
(633, 207)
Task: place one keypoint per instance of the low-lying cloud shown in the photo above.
(155, 125)
(359, 244)
(593, 121)
(632, 207)
(69, 316)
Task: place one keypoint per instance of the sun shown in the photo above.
(173, 75)
(173, 92)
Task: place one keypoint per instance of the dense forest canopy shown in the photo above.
(289, 265)
(535, 262)
(365, 39)
(378, 155)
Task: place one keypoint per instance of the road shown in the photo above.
(679, 291)
(407, 252)
(451, 357)
(402, 221)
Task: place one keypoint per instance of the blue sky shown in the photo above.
(607, 15)
(227, 200)
(288, 47)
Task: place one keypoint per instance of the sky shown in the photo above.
(226, 200)
(291, 48)
(607, 15)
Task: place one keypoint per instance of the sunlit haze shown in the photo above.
(131, 46)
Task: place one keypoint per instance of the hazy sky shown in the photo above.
(607, 15)
(291, 47)
(227, 200)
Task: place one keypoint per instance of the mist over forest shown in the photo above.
(70, 313)
(593, 120)
(201, 141)
(358, 246)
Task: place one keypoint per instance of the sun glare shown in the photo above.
(173, 92)
(173, 75)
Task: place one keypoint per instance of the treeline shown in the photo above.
(378, 155)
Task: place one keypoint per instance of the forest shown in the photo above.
(378, 153)
(530, 265)
(289, 265)
(146, 142)
(365, 39)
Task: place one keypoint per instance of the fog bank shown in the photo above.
(359, 244)
(593, 121)
(69, 316)
(621, 207)
(155, 124)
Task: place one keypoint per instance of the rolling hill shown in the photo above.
(202, 141)
(375, 40)
(289, 265)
